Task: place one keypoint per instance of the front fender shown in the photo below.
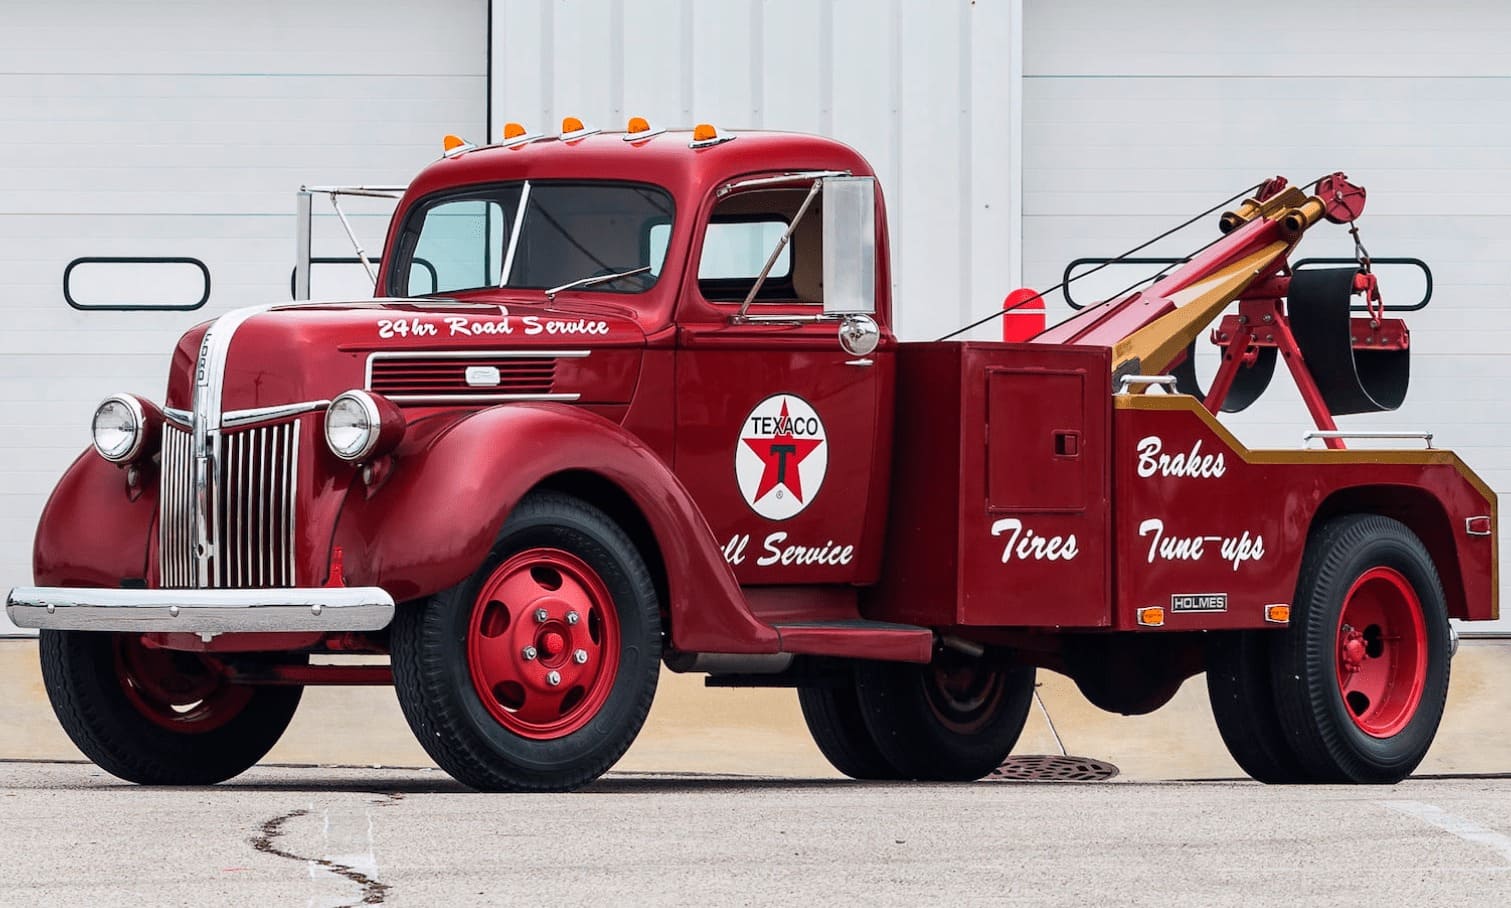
(433, 519)
(91, 533)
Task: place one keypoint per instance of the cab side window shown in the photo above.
(739, 238)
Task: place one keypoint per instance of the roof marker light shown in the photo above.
(516, 134)
(454, 145)
(572, 130)
(705, 136)
(639, 129)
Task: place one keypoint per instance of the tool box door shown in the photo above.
(1039, 555)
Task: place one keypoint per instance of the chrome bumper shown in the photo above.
(200, 611)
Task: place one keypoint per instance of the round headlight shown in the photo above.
(119, 428)
(352, 425)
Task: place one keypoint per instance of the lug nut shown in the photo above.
(572, 618)
(529, 653)
(553, 678)
(580, 656)
(541, 615)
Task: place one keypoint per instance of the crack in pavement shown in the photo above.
(374, 892)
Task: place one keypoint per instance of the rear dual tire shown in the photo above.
(1354, 689)
(954, 720)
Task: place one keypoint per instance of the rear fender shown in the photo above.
(92, 533)
(1467, 565)
(431, 521)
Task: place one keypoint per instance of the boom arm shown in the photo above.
(1148, 330)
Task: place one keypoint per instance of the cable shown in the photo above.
(1139, 248)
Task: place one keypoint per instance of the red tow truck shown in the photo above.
(626, 399)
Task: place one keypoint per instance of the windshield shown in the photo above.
(567, 232)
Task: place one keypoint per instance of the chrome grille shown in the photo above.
(252, 508)
(175, 532)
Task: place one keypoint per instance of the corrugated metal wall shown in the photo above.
(926, 91)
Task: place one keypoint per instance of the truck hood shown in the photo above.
(290, 354)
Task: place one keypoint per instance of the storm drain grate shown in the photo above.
(1052, 768)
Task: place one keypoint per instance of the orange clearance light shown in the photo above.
(704, 135)
(513, 131)
(452, 143)
(1278, 614)
(1151, 616)
(572, 129)
(639, 129)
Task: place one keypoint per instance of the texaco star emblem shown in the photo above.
(782, 456)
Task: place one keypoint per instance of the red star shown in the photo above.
(782, 454)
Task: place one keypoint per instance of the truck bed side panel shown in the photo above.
(1213, 532)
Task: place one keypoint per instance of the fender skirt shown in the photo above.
(431, 521)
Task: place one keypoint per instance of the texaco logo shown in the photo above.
(782, 456)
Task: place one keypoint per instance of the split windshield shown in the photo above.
(567, 232)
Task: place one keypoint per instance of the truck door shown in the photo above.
(783, 437)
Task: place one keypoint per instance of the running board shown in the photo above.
(857, 639)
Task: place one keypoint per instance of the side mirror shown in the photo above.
(849, 245)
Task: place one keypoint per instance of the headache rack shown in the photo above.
(305, 218)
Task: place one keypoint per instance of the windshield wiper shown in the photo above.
(595, 279)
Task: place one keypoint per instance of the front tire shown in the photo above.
(953, 720)
(159, 717)
(537, 672)
(1361, 677)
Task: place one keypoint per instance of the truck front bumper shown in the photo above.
(200, 611)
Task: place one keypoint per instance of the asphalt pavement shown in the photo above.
(324, 836)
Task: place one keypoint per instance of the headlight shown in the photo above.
(360, 426)
(120, 428)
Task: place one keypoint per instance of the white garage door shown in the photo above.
(181, 130)
(1139, 115)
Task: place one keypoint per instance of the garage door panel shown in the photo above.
(184, 129)
(1136, 117)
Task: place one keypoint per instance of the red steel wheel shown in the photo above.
(536, 672)
(543, 643)
(955, 720)
(1382, 646)
(964, 695)
(182, 692)
(1360, 678)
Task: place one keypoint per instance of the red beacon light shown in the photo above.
(639, 129)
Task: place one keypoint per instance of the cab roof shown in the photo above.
(665, 159)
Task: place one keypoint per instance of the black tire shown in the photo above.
(1241, 691)
(104, 715)
(930, 733)
(1326, 733)
(445, 708)
(834, 718)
